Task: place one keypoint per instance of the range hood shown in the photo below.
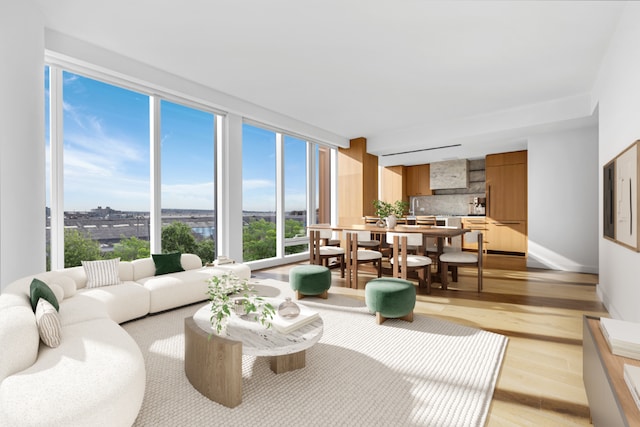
(449, 174)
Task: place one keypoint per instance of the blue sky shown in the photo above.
(106, 153)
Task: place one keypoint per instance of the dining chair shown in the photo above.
(425, 220)
(320, 253)
(404, 262)
(331, 240)
(365, 240)
(354, 257)
(453, 260)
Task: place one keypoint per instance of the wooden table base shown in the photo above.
(288, 362)
(213, 364)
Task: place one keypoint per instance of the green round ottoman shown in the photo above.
(390, 298)
(310, 280)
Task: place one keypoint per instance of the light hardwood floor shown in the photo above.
(541, 311)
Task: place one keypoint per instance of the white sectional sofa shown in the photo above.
(96, 376)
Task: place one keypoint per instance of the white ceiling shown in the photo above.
(359, 68)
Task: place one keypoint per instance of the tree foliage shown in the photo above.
(130, 249)
(78, 248)
(178, 237)
(175, 237)
(259, 239)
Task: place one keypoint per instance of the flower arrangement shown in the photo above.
(225, 290)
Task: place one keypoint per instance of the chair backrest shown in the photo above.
(371, 219)
(425, 220)
(413, 239)
(314, 246)
(362, 234)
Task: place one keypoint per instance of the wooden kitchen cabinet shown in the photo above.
(506, 183)
(418, 182)
(507, 236)
(393, 184)
(474, 223)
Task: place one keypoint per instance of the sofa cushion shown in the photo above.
(102, 272)
(96, 377)
(123, 302)
(48, 323)
(82, 308)
(167, 263)
(67, 284)
(19, 338)
(177, 289)
(57, 291)
(39, 289)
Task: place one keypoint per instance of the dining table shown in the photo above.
(440, 233)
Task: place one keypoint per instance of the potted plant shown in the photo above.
(399, 208)
(383, 209)
(228, 292)
(390, 212)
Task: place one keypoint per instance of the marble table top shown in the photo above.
(258, 340)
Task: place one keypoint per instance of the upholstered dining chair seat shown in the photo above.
(369, 243)
(450, 261)
(402, 261)
(459, 256)
(414, 260)
(331, 250)
(368, 255)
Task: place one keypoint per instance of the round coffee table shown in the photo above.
(213, 363)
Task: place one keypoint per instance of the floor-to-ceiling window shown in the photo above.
(282, 182)
(101, 155)
(258, 193)
(47, 118)
(106, 171)
(295, 194)
(187, 176)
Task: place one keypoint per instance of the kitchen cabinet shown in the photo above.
(393, 184)
(474, 223)
(507, 236)
(506, 183)
(418, 181)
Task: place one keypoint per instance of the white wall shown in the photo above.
(563, 200)
(617, 92)
(22, 162)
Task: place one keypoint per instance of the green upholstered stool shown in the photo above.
(310, 280)
(390, 298)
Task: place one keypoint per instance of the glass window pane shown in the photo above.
(47, 156)
(258, 193)
(106, 171)
(188, 189)
(295, 193)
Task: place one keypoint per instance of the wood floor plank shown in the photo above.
(540, 311)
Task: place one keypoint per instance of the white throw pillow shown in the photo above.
(102, 273)
(48, 322)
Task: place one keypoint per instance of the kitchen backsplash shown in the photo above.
(456, 201)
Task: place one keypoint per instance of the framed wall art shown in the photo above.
(620, 198)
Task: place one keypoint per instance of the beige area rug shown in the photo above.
(426, 373)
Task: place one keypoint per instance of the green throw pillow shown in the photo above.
(167, 263)
(39, 289)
